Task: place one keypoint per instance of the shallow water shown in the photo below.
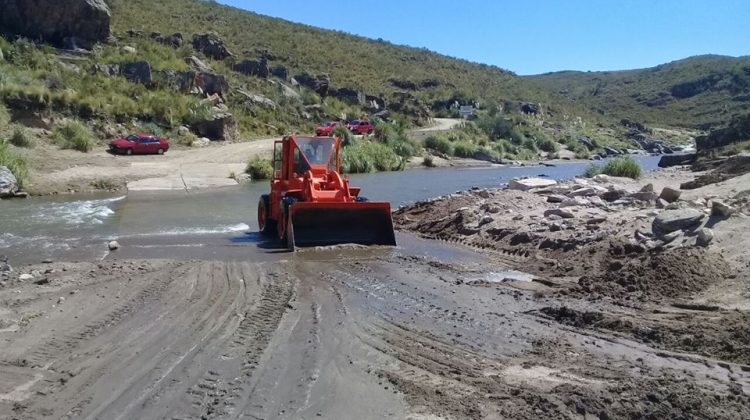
(78, 227)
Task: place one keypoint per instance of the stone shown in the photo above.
(202, 142)
(647, 196)
(320, 83)
(555, 227)
(486, 220)
(671, 237)
(198, 64)
(613, 195)
(138, 72)
(218, 125)
(661, 203)
(565, 214)
(107, 69)
(721, 209)
(602, 178)
(518, 217)
(211, 83)
(647, 188)
(555, 198)
(254, 99)
(574, 201)
(25, 277)
(130, 50)
(8, 183)
(530, 183)
(596, 220)
(60, 300)
(352, 96)
(258, 68)
(211, 45)
(677, 160)
(597, 201)
(57, 22)
(704, 237)
(289, 92)
(670, 195)
(113, 245)
(672, 220)
(280, 71)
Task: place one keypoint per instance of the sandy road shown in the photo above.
(357, 334)
(180, 168)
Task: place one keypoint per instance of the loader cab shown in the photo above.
(294, 156)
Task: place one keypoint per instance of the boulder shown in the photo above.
(565, 214)
(8, 183)
(720, 209)
(704, 237)
(106, 69)
(320, 83)
(78, 23)
(349, 95)
(647, 196)
(211, 83)
(211, 45)
(218, 126)
(529, 183)
(672, 220)
(574, 201)
(530, 108)
(647, 188)
(613, 195)
(661, 203)
(181, 81)
(175, 40)
(403, 84)
(254, 99)
(670, 195)
(258, 68)
(584, 192)
(198, 64)
(555, 198)
(113, 245)
(137, 72)
(288, 92)
(280, 71)
(676, 160)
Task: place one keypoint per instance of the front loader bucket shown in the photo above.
(365, 223)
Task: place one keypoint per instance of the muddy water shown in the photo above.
(187, 223)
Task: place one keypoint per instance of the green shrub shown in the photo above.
(548, 145)
(582, 153)
(464, 149)
(428, 161)
(344, 134)
(21, 138)
(153, 129)
(75, 135)
(187, 139)
(260, 168)
(592, 171)
(624, 166)
(369, 156)
(440, 144)
(14, 162)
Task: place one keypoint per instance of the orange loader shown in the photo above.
(311, 204)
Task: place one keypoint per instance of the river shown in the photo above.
(78, 227)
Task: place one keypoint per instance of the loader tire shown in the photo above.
(266, 225)
(286, 202)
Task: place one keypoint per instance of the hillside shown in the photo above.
(699, 92)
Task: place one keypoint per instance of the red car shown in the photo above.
(326, 129)
(141, 143)
(361, 126)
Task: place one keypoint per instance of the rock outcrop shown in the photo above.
(211, 45)
(320, 83)
(138, 72)
(258, 68)
(8, 183)
(78, 23)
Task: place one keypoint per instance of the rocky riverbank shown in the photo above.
(616, 255)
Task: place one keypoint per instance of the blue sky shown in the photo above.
(530, 37)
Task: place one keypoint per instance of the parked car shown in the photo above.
(326, 129)
(141, 143)
(363, 126)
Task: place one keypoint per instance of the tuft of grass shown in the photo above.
(14, 162)
(75, 135)
(624, 166)
(21, 138)
(428, 161)
(440, 144)
(346, 136)
(259, 168)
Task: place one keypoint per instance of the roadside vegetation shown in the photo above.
(624, 166)
(14, 162)
(75, 135)
(21, 138)
(259, 168)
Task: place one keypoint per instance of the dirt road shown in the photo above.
(323, 333)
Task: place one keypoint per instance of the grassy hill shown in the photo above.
(700, 92)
